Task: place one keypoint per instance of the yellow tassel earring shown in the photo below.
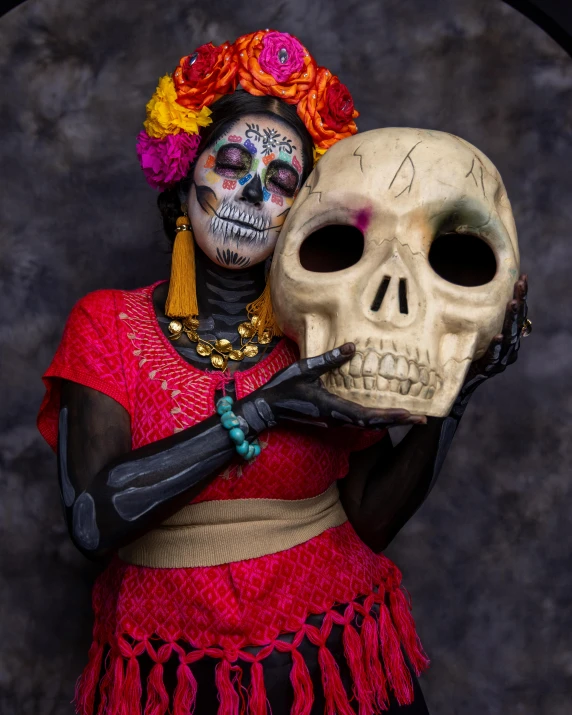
(262, 316)
(182, 297)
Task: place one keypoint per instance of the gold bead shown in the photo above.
(204, 349)
(223, 346)
(219, 361)
(250, 350)
(191, 323)
(175, 327)
(246, 330)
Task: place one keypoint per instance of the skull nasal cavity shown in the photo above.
(332, 248)
(462, 259)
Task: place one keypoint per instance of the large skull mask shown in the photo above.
(403, 242)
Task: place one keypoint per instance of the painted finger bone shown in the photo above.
(403, 242)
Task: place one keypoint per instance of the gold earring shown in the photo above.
(182, 298)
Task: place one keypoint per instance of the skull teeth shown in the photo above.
(386, 372)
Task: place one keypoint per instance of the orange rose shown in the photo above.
(207, 74)
(328, 110)
(276, 64)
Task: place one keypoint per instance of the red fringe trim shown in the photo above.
(227, 695)
(87, 682)
(354, 652)
(157, 695)
(302, 685)
(186, 691)
(370, 642)
(257, 692)
(373, 650)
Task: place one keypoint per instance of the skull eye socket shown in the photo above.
(463, 259)
(332, 248)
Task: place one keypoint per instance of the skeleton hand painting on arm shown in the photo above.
(403, 242)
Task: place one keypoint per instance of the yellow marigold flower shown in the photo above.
(166, 116)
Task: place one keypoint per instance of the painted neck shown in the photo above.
(223, 295)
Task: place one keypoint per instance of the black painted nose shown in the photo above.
(252, 192)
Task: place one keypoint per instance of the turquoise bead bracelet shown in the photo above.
(230, 422)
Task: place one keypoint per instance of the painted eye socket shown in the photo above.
(281, 178)
(462, 259)
(232, 161)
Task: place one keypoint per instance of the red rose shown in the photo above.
(205, 75)
(328, 110)
(338, 111)
(199, 64)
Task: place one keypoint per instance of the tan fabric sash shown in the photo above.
(220, 532)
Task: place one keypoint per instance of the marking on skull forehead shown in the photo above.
(362, 219)
(283, 156)
(250, 146)
(268, 158)
(296, 164)
(360, 157)
(315, 175)
(235, 139)
(407, 158)
(210, 162)
(471, 172)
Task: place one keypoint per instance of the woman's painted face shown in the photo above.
(243, 188)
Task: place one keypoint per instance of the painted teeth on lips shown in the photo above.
(386, 372)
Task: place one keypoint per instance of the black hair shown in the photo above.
(226, 112)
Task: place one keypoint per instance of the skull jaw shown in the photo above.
(432, 400)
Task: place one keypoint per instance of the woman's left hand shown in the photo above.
(503, 349)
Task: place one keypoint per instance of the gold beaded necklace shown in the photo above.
(221, 351)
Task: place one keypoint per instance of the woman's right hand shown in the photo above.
(296, 394)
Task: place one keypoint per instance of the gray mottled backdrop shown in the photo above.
(487, 558)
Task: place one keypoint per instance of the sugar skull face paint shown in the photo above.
(243, 187)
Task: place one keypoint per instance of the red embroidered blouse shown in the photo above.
(113, 343)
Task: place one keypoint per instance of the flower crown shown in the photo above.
(264, 63)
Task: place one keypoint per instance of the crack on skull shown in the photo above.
(470, 173)
(359, 157)
(316, 175)
(407, 157)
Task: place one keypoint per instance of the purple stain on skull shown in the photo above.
(363, 219)
(250, 146)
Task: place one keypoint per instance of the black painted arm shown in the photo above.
(113, 495)
(386, 485)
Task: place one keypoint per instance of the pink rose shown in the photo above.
(166, 161)
(282, 55)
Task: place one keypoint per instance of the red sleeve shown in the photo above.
(89, 354)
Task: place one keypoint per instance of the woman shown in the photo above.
(197, 448)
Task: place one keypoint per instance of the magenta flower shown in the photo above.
(281, 55)
(166, 161)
